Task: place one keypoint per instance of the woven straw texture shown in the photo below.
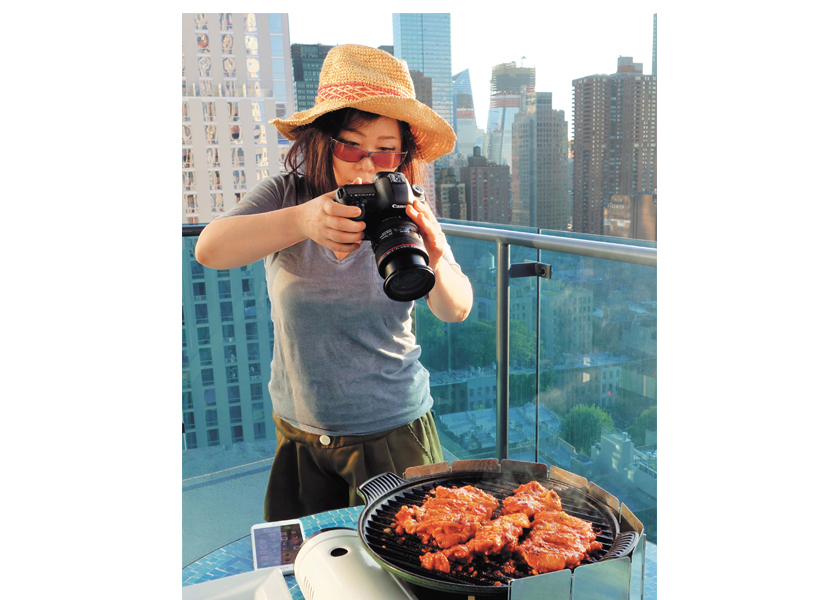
(374, 81)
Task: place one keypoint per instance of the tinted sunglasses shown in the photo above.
(385, 160)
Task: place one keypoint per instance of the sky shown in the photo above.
(570, 44)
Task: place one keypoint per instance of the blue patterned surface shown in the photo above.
(236, 557)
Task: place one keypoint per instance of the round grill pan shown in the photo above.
(385, 494)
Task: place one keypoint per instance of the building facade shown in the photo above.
(307, 60)
(614, 141)
(469, 135)
(235, 78)
(539, 152)
(507, 84)
(487, 190)
(423, 41)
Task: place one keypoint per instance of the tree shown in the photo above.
(583, 424)
(645, 421)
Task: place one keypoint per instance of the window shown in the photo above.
(227, 44)
(209, 110)
(204, 67)
(186, 400)
(189, 421)
(230, 353)
(237, 157)
(250, 309)
(187, 158)
(256, 391)
(209, 394)
(250, 22)
(228, 333)
(205, 357)
(233, 111)
(251, 45)
(190, 440)
(226, 22)
(224, 289)
(232, 374)
(235, 414)
(186, 135)
(254, 371)
(229, 67)
(253, 66)
(203, 335)
(252, 331)
(201, 314)
(259, 134)
(212, 437)
(210, 133)
(257, 112)
(253, 351)
(233, 394)
(236, 433)
(213, 157)
(227, 311)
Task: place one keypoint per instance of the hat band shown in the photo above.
(355, 90)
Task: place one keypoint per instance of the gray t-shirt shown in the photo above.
(345, 360)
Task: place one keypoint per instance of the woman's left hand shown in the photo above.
(433, 237)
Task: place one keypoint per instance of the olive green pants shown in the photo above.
(313, 473)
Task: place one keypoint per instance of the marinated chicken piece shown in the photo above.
(451, 517)
(531, 498)
(501, 533)
(557, 540)
(491, 538)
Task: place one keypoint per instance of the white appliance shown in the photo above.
(333, 565)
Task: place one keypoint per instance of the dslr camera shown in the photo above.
(400, 255)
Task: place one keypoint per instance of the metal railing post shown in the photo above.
(502, 348)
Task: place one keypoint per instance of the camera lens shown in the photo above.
(407, 277)
(402, 259)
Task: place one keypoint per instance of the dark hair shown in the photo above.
(311, 156)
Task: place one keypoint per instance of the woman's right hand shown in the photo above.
(328, 223)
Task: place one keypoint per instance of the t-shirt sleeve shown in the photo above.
(272, 193)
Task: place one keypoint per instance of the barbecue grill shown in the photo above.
(609, 573)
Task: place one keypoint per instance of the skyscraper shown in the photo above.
(614, 141)
(469, 135)
(235, 77)
(540, 151)
(487, 189)
(507, 84)
(423, 41)
(307, 60)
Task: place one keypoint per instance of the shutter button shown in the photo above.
(325, 439)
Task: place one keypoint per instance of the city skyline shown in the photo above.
(622, 32)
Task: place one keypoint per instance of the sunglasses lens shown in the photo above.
(384, 160)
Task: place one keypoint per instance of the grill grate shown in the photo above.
(403, 551)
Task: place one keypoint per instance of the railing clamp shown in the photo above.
(530, 269)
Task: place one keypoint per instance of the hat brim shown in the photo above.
(433, 135)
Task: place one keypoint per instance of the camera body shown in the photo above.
(401, 256)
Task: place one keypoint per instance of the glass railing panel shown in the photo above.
(228, 431)
(598, 376)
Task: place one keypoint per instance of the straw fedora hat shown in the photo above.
(374, 81)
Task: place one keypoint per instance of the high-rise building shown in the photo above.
(307, 60)
(423, 41)
(422, 87)
(469, 135)
(614, 141)
(235, 77)
(451, 196)
(540, 151)
(487, 189)
(507, 84)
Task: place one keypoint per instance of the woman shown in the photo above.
(350, 397)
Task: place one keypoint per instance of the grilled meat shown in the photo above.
(459, 522)
(530, 498)
(556, 541)
(451, 517)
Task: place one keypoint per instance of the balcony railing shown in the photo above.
(556, 363)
